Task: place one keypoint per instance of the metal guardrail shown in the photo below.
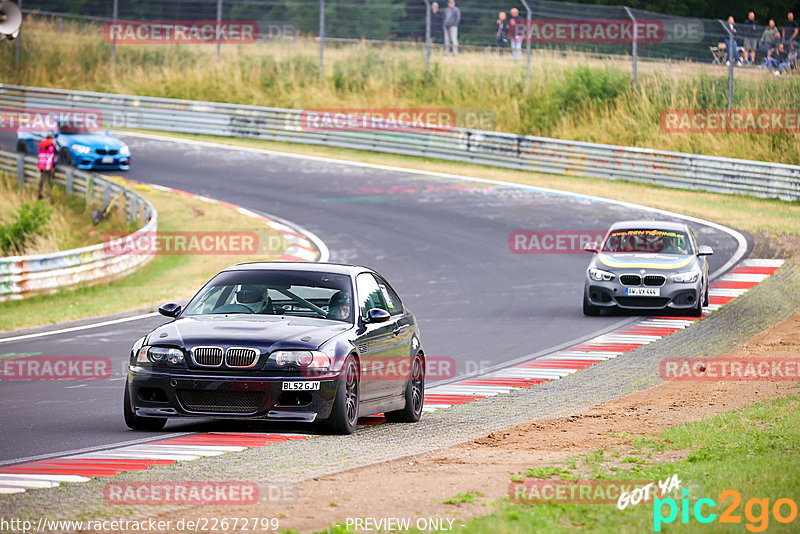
(522, 152)
(23, 276)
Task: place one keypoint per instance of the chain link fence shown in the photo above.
(523, 32)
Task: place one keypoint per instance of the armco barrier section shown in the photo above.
(522, 152)
(22, 276)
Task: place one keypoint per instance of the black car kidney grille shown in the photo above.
(101, 151)
(655, 280)
(630, 279)
(200, 400)
(240, 357)
(207, 356)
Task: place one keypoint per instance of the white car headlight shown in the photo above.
(125, 151)
(309, 359)
(149, 354)
(686, 278)
(600, 275)
(81, 149)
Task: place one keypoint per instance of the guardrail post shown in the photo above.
(21, 169)
(106, 193)
(89, 187)
(69, 175)
(634, 45)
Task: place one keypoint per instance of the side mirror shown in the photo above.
(591, 246)
(170, 309)
(704, 250)
(377, 315)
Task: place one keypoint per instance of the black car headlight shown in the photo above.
(169, 355)
(601, 275)
(307, 359)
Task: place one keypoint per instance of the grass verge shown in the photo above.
(164, 278)
(769, 216)
(70, 224)
(753, 451)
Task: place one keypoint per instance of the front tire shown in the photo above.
(589, 309)
(344, 414)
(135, 422)
(415, 394)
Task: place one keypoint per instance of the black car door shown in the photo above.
(374, 341)
(403, 331)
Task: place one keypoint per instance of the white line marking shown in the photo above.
(79, 328)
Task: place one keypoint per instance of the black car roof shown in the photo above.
(334, 268)
(649, 225)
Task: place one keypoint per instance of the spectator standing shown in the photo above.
(750, 31)
(770, 61)
(733, 53)
(437, 22)
(502, 31)
(791, 28)
(47, 162)
(452, 18)
(768, 35)
(516, 31)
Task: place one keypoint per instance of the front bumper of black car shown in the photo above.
(172, 393)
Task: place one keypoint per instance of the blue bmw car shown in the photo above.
(85, 149)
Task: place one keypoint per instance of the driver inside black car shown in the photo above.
(256, 298)
(339, 306)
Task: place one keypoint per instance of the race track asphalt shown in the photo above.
(442, 243)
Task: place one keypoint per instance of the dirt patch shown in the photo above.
(475, 474)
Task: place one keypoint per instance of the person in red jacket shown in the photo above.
(47, 162)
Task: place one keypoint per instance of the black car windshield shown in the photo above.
(648, 241)
(267, 292)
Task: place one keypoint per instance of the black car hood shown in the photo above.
(264, 333)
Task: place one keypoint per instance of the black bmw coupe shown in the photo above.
(300, 342)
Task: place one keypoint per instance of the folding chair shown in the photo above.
(719, 53)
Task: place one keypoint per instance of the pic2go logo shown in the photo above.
(783, 510)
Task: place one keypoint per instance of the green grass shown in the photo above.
(70, 223)
(463, 498)
(569, 97)
(165, 278)
(754, 451)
